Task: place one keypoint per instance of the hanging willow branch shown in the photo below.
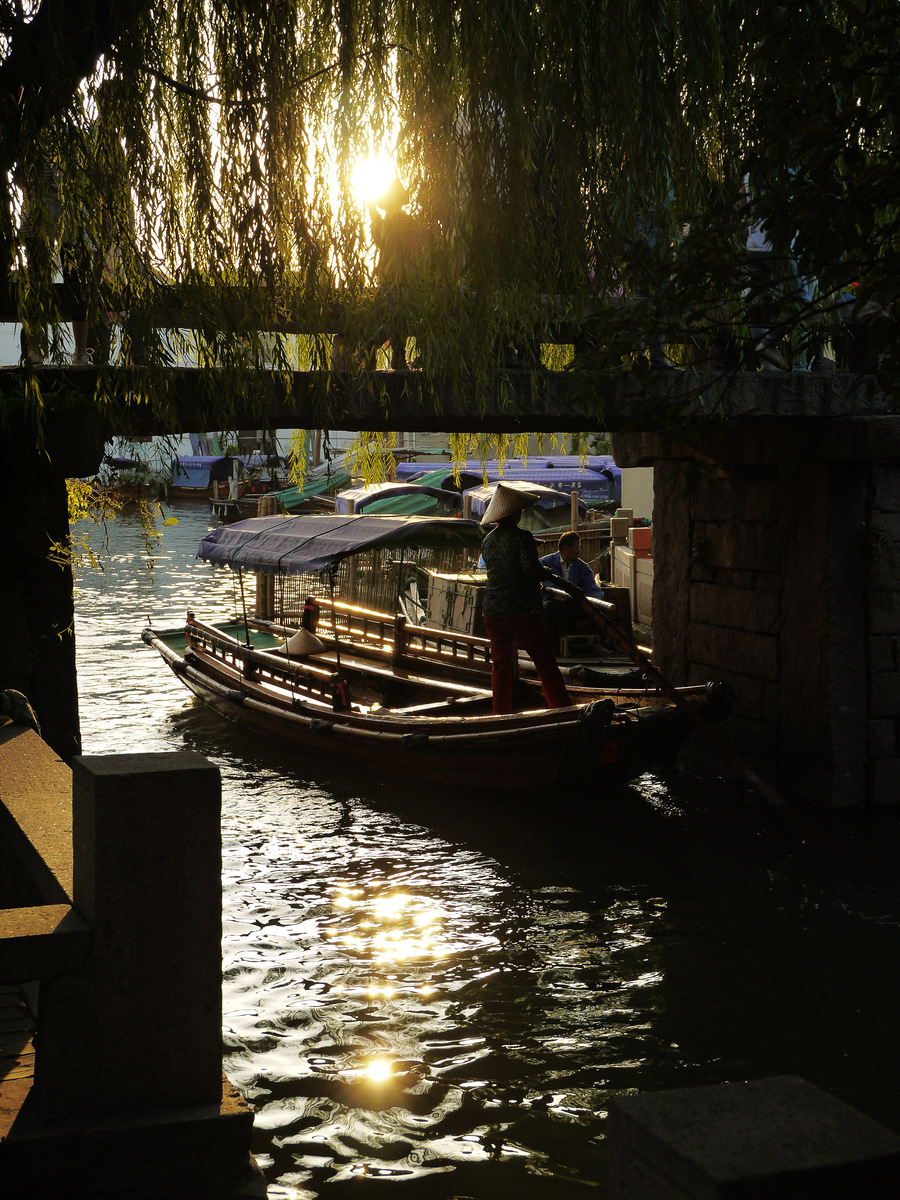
(559, 158)
(187, 90)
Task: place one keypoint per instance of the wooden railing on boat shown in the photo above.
(258, 665)
(405, 646)
(287, 678)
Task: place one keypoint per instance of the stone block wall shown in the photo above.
(784, 580)
(720, 538)
(883, 634)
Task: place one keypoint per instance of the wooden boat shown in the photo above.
(316, 494)
(205, 477)
(596, 477)
(392, 697)
(551, 510)
(399, 499)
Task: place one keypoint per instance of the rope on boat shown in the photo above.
(596, 718)
(415, 741)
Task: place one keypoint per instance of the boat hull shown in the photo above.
(456, 741)
(521, 771)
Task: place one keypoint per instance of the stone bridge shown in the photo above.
(776, 536)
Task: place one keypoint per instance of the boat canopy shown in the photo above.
(544, 497)
(399, 499)
(443, 478)
(315, 484)
(199, 470)
(318, 542)
(259, 462)
(595, 478)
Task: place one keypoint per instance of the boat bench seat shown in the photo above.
(437, 708)
(366, 666)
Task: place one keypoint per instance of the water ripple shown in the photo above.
(447, 993)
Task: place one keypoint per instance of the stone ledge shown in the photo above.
(780, 1138)
(765, 440)
(506, 401)
(42, 942)
(202, 1147)
(36, 810)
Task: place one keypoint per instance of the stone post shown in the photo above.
(140, 1027)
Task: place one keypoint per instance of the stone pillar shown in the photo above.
(883, 614)
(776, 549)
(780, 1138)
(140, 1027)
(36, 605)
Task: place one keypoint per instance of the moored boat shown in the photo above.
(403, 700)
(206, 476)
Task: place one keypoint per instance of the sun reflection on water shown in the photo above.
(378, 1070)
(390, 927)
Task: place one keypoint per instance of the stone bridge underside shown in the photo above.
(776, 535)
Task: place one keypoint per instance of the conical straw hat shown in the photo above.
(304, 642)
(505, 500)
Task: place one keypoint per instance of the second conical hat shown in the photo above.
(304, 642)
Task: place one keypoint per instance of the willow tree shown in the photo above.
(563, 159)
(569, 150)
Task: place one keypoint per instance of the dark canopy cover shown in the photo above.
(294, 545)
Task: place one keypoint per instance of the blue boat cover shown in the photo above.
(198, 470)
(318, 542)
(594, 478)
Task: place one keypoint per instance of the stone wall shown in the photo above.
(720, 597)
(36, 605)
(777, 568)
(883, 633)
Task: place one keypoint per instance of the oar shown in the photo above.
(622, 642)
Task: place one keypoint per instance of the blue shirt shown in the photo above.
(579, 573)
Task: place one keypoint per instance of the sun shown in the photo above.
(371, 176)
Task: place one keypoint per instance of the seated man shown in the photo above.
(560, 611)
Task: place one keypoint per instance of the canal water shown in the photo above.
(446, 989)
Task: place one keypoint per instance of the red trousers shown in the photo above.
(529, 630)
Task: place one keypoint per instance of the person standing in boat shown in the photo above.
(512, 608)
